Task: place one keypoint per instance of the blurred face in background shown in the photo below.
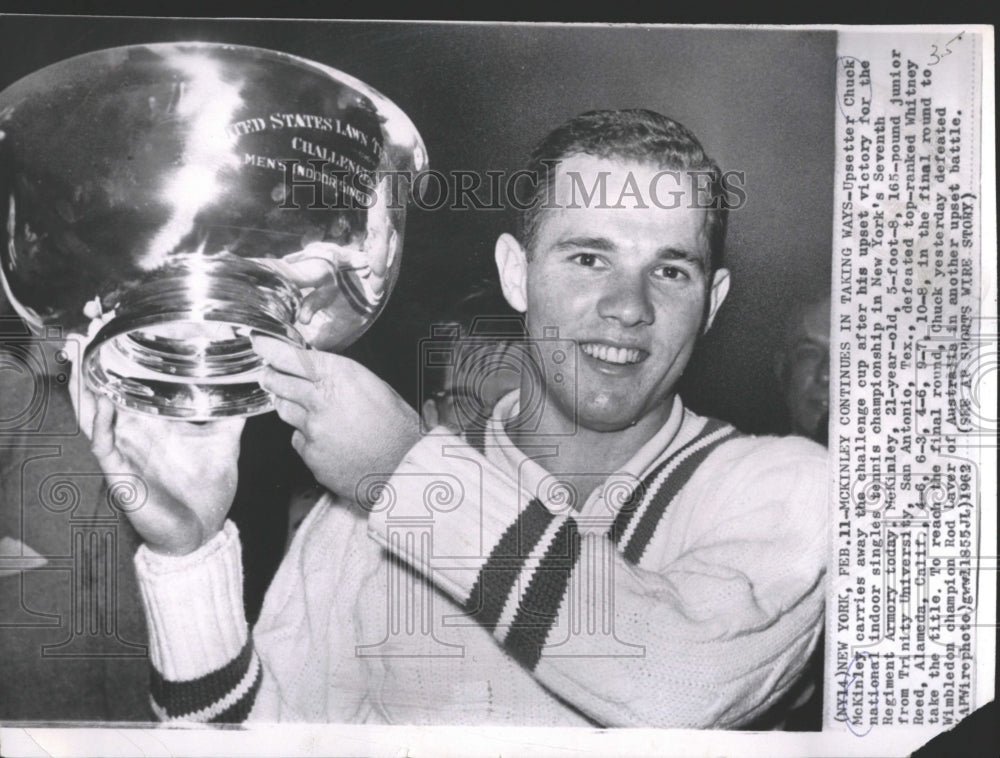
(803, 368)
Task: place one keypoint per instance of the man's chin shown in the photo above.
(607, 420)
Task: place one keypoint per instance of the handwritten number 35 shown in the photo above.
(947, 50)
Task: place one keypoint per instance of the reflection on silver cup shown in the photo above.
(171, 199)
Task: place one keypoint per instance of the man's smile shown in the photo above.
(622, 356)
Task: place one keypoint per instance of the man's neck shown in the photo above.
(584, 452)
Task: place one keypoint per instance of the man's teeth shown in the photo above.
(608, 354)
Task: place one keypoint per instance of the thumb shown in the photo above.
(81, 398)
(127, 492)
(102, 438)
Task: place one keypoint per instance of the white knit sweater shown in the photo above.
(685, 592)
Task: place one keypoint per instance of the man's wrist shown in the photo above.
(160, 560)
(183, 547)
(372, 486)
(194, 606)
(186, 535)
(404, 443)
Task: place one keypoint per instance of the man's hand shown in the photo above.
(189, 471)
(349, 423)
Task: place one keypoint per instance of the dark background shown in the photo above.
(481, 95)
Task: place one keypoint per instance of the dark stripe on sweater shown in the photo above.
(499, 574)
(539, 607)
(635, 500)
(631, 505)
(237, 713)
(181, 698)
(673, 484)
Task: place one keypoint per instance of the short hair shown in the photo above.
(636, 134)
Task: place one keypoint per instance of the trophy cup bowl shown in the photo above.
(169, 200)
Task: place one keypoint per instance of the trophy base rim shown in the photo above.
(166, 353)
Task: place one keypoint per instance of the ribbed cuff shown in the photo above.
(194, 606)
(445, 508)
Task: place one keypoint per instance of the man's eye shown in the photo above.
(671, 272)
(589, 260)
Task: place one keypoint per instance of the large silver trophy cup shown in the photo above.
(169, 200)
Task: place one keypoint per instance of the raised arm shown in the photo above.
(190, 577)
(710, 624)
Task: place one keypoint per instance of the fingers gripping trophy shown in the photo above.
(165, 203)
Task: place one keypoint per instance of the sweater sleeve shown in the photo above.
(709, 629)
(299, 663)
(204, 667)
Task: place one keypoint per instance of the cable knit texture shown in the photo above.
(684, 591)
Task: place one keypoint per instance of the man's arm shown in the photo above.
(709, 628)
(299, 662)
(723, 623)
(204, 667)
(189, 570)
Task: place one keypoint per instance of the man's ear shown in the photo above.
(512, 265)
(716, 295)
(429, 415)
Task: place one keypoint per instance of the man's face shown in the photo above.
(629, 283)
(806, 380)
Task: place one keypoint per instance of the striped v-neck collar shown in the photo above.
(680, 428)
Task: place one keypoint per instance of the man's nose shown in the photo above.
(626, 300)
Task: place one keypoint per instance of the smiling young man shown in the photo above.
(632, 285)
(609, 558)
